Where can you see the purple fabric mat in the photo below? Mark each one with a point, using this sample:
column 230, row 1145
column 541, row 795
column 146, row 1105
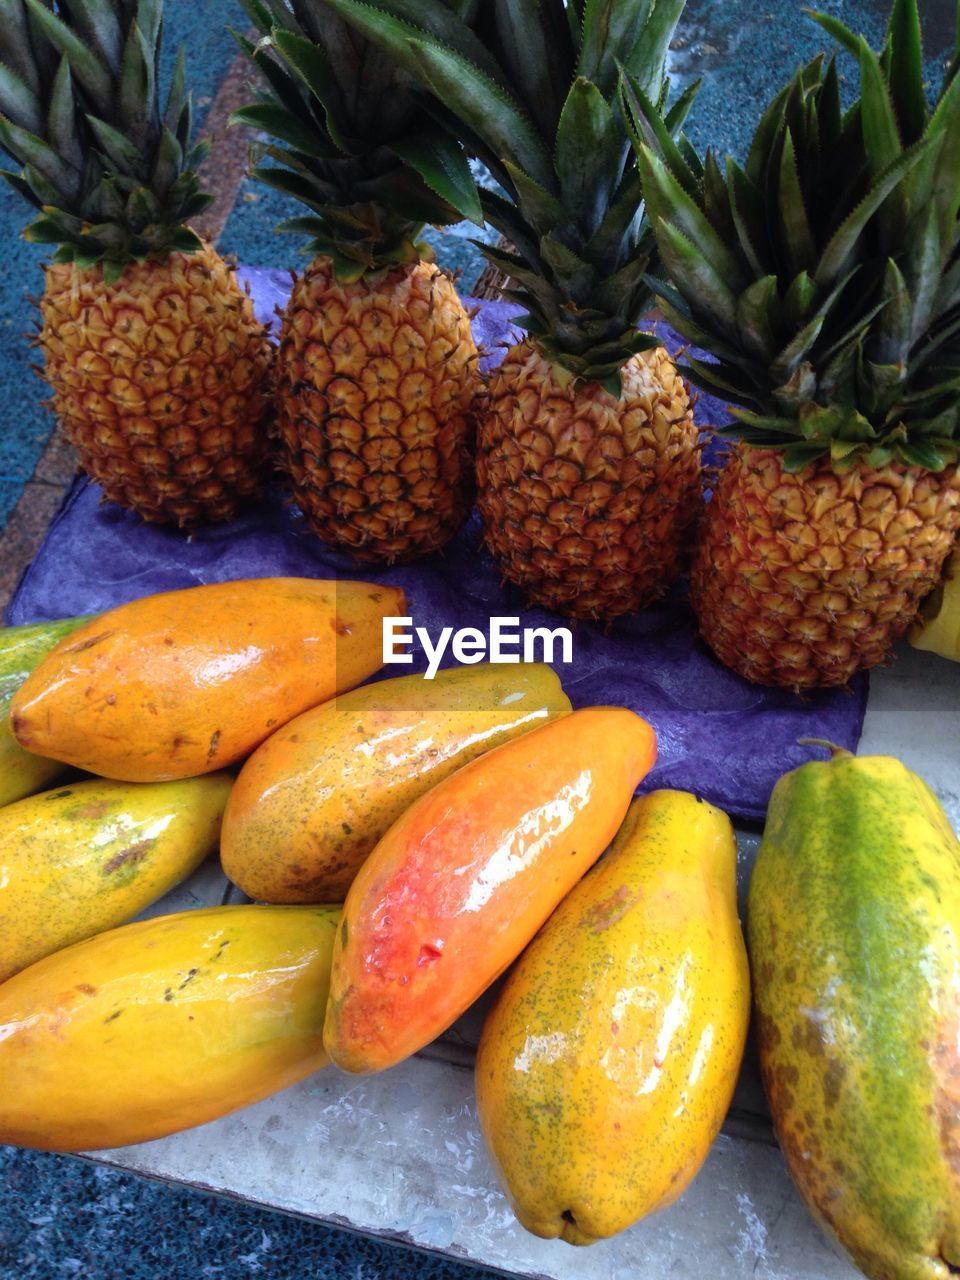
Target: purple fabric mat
column 719, row 736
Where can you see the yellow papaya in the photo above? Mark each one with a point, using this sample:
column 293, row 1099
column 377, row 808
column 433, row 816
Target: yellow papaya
column 937, row 627
column 21, row 648
column 88, row 856
column 312, row 801
column 186, row 682
column 608, row 1062
column 161, row 1025
column 854, row 937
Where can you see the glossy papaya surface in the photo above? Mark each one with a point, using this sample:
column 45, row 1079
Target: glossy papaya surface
column 854, row 936
column 161, row 1025
column 312, row 801
column 608, row 1062
column 186, row 682
column 21, row 648
column 463, row 880
column 90, row 855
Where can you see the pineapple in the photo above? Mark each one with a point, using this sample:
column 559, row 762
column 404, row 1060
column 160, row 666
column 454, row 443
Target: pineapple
column 377, row 371
column 587, row 455
column 824, row 277
column 156, row 361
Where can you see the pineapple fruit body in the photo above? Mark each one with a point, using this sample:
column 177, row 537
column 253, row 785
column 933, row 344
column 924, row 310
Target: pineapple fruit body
column 588, row 501
column 801, row 580
column 376, row 388
column 160, row 382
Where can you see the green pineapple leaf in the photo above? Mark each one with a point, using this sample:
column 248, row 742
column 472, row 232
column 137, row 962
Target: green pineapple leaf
column 96, row 24
column 537, row 53
column 798, row 239
column 589, row 155
column 18, row 102
column 61, row 124
column 608, row 35
column 906, row 69
column 87, row 67
column 648, row 127
column 757, row 311
column 920, row 453
column 892, row 336
column 645, row 61
column 467, row 90
column 845, row 240
column 667, row 202
column 444, row 168
column 137, row 89
column 275, row 120
column 696, row 276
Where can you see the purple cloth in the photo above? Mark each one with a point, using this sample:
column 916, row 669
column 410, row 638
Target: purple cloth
column 718, row 736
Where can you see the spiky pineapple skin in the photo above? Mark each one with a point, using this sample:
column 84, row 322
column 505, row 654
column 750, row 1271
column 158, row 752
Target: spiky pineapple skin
column 801, row 580
column 588, row 502
column 377, row 385
column 161, row 382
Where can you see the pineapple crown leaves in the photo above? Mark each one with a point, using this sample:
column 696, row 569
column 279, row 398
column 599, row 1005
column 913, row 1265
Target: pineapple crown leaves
column 348, row 137
column 113, row 176
column 823, row 275
column 531, row 89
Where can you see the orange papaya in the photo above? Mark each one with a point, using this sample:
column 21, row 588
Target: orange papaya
column 186, row 682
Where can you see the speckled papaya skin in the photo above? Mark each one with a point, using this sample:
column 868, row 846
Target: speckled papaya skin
column 21, row 649
column 467, row 875
column 164, row 1024
column 313, row 800
column 187, row 682
column 608, row 1063
column 854, row 937
column 88, row 856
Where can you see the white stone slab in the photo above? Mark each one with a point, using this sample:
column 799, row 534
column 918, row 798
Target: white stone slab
column 400, row 1155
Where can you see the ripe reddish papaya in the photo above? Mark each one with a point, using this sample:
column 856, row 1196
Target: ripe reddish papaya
column 463, row 880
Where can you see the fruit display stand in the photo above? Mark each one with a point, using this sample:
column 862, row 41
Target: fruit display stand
column 400, row 1155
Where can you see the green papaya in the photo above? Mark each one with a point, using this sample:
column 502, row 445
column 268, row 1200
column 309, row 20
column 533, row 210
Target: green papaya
column 854, row 939
column 21, row 649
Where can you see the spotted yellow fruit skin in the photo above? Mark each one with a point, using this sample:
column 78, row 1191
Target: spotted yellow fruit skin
column 607, row 1065
column 187, row 682
column 311, row 803
column 21, row 648
column 937, row 626
column 164, row 1024
column 90, row 855
column 854, row 934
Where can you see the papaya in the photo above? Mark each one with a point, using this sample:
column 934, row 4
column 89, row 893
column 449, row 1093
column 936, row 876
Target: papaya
column 162, row 1025
column 854, row 939
column 21, row 648
column 186, row 682
column 467, row 875
column 88, row 856
column 937, row 626
column 312, row 801
column 608, row 1062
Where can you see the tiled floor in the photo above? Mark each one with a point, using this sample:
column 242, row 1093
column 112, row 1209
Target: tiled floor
column 62, row 1218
